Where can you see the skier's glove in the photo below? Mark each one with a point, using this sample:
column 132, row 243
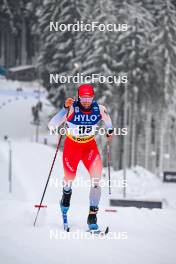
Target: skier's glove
column 68, row 102
column 109, row 133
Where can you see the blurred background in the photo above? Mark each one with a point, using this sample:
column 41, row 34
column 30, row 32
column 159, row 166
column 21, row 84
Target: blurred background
column 146, row 52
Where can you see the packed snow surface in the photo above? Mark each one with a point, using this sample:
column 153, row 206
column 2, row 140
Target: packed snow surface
column 136, row 235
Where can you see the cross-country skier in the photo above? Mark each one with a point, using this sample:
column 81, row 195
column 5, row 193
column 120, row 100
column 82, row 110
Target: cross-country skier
column 81, row 117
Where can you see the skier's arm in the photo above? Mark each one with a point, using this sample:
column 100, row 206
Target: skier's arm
column 58, row 119
column 106, row 118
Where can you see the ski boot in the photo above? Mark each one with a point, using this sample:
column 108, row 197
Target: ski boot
column 92, row 219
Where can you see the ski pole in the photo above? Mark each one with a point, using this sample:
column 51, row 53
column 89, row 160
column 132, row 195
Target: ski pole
column 57, row 149
column 108, row 161
column 48, row 179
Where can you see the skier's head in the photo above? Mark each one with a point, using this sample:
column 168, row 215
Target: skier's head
column 86, row 95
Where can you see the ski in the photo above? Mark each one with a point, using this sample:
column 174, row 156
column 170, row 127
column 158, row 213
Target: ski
column 99, row 232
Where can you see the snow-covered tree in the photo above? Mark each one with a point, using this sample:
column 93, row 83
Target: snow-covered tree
column 164, row 56
column 58, row 49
